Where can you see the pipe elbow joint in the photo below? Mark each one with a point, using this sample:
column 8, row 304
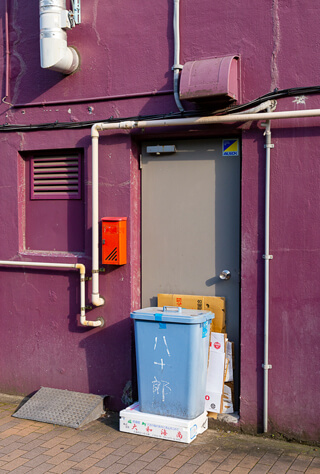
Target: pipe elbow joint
column 61, row 58
column 97, row 300
column 81, row 268
column 95, row 130
column 54, row 51
column 98, row 323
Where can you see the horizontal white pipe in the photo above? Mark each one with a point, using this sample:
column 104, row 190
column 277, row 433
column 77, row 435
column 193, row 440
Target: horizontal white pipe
column 72, row 266
column 97, row 300
column 16, row 263
column 246, row 117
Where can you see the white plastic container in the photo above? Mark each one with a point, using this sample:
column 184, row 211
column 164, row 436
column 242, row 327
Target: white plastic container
column 133, row 421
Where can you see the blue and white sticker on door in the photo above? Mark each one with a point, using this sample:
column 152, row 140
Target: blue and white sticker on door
column 230, row 147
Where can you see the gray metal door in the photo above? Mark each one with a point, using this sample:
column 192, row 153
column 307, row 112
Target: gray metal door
column 191, row 222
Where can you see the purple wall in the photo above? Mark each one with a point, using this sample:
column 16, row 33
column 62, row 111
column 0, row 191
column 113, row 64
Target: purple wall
column 126, row 57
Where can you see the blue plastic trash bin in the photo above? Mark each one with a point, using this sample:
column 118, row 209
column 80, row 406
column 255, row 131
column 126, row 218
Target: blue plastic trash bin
column 172, row 354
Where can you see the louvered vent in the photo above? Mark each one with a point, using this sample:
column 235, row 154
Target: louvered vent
column 56, row 177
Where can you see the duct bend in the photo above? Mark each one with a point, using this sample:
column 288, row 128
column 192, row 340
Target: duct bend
column 54, row 51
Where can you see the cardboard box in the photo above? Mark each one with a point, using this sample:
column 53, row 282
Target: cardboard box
column 155, row 426
column 230, row 357
column 184, row 301
column 215, row 304
column 218, row 342
column 228, row 395
column 217, row 371
column 213, row 402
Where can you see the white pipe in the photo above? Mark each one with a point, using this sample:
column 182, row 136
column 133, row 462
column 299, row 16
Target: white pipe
column 130, row 124
column 176, row 66
column 209, row 120
column 95, row 298
column 266, row 367
column 76, row 266
column 83, row 320
column 54, row 51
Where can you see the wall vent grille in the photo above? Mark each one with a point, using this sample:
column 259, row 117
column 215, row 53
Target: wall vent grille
column 56, row 177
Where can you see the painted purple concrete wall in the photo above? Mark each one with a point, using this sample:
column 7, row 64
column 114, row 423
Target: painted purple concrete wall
column 127, row 49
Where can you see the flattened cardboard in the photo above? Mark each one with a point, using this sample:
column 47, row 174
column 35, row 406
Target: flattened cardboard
column 165, row 300
column 218, row 342
column 184, row 301
column 213, row 402
column 216, row 372
column 227, row 401
column 216, row 375
column 229, row 357
column 215, row 304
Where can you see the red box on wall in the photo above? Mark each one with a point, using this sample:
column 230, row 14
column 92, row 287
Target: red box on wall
column 114, row 240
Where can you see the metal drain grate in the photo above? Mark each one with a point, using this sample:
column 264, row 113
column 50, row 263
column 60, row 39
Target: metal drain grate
column 62, row 407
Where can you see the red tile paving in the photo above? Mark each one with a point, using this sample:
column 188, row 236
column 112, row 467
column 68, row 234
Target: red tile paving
column 29, row 446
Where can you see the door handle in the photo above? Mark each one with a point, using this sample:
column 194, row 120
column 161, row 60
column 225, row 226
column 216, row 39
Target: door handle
column 225, row 275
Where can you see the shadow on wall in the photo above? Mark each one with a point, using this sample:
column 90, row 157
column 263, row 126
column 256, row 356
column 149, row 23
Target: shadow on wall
column 101, row 71
column 111, row 364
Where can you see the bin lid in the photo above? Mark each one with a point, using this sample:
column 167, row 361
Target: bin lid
column 172, row 314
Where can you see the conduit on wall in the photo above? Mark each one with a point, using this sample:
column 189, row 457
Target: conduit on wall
column 7, row 51
column 69, row 266
column 241, row 117
column 54, row 51
column 177, row 66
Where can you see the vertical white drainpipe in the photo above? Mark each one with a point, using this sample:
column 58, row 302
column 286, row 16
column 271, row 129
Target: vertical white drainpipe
column 177, row 66
column 83, row 320
column 267, row 257
column 95, row 298
column 54, row 51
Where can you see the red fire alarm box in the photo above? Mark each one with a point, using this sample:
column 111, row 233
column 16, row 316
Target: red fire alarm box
column 114, row 240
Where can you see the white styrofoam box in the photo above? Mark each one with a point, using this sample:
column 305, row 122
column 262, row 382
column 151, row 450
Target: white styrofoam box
column 164, row 427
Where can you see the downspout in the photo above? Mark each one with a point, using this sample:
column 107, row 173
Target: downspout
column 267, row 257
column 176, row 66
column 95, row 297
column 7, row 50
column 54, row 51
column 69, row 266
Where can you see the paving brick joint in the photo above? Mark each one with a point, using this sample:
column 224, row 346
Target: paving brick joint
column 99, row 447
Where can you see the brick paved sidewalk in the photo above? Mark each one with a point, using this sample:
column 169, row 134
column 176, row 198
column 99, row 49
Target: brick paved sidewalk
column 28, row 446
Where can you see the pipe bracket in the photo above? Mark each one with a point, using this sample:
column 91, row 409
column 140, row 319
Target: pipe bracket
column 267, row 257
column 266, row 366
column 269, row 145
